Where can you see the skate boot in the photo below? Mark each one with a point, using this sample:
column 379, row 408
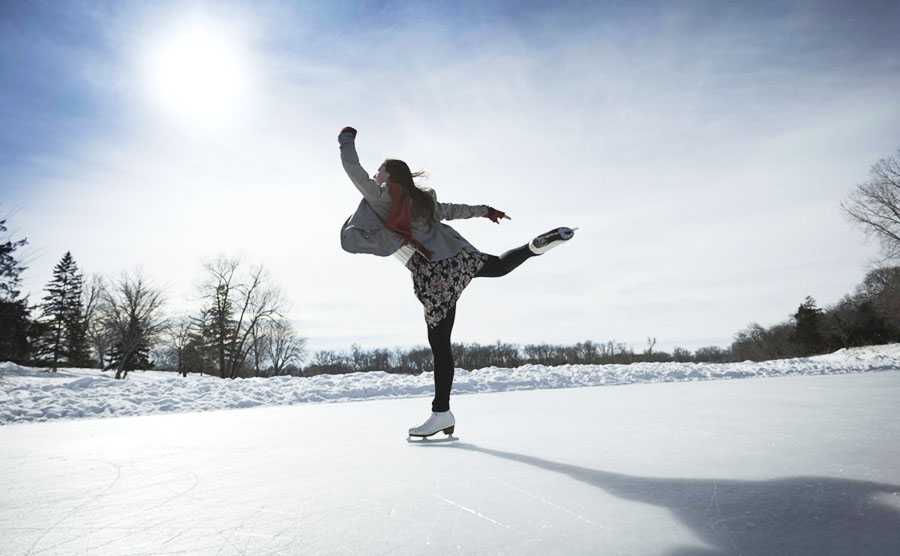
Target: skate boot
column 443, row 421
column 548, row 240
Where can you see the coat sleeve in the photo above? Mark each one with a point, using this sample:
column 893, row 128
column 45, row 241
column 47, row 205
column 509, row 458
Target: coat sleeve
column 357, row 174
column 452, row 211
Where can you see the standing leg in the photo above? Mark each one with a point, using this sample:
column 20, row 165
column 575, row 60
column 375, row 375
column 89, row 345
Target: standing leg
column 439, row 338
column 505, row 263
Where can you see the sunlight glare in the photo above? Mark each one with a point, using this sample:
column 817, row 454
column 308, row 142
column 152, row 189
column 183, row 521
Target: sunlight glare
column 199, row 74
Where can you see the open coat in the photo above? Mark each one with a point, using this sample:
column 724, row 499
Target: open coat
column 365, row 232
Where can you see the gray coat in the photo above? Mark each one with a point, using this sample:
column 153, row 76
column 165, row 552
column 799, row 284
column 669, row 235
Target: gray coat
column 364, row 231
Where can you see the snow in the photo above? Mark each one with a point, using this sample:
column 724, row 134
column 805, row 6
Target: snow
column 799, row 465
column 28, row 394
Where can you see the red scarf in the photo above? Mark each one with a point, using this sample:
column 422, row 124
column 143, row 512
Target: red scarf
column 400, row 217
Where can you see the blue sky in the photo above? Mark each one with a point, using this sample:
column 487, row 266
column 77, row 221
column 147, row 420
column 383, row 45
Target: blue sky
column 703, row 148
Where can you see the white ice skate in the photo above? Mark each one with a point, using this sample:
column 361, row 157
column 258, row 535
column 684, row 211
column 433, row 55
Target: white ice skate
column 548, row 240
column 443, row 421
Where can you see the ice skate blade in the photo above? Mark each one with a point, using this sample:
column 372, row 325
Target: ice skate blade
column 427, row 437
column 428, row 440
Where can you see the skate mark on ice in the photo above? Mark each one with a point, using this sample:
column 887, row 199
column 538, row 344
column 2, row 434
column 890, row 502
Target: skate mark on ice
column 196, row 482
column 548, row 502
column 221, row 533
column 133, row 532
column 193, row 550
column 714, row 505
column 75, row 510
column 172, row 538
column 281, row 541
column 714, row 499
column 231, row 537
column 714, row 523
column 471, row 511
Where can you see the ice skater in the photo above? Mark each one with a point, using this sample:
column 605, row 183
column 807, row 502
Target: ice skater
column 399, row 218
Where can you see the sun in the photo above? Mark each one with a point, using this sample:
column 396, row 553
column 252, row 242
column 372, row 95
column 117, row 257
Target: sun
column 198, row 73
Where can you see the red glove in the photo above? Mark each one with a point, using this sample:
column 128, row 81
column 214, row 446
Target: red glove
column 495, row 215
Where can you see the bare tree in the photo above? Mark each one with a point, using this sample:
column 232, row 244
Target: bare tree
column 257, row 349
column 238, row 306
column 651, row 343
column 881, row 287
column 258, row 302
column 177, row 337
column 98, row 334
column 875, row 205
column 284, row 346
column 134, row 317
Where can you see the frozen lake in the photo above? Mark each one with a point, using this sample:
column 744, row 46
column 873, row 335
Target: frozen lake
column 789, row 465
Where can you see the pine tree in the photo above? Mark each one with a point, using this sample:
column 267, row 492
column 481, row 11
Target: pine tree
column 216, row 329
column 9, row 267
column 808, row 333
column 14, row 330
column 138, row 359
column 64, row 339
column 197, row 354
column 15, row 322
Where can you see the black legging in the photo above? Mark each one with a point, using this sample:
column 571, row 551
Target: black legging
column 439, row 336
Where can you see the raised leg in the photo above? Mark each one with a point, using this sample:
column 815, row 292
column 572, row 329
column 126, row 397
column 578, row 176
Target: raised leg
column 505, row 263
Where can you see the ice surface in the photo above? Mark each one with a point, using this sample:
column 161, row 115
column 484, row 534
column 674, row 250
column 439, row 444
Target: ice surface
column 33, row 395
column 799, row 465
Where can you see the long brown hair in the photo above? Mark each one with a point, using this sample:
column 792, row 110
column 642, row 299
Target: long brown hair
column 422, row 203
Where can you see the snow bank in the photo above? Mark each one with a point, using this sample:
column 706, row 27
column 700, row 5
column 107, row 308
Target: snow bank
column 28, row 394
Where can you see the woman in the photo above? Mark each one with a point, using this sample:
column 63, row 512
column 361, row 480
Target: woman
column 441, row 261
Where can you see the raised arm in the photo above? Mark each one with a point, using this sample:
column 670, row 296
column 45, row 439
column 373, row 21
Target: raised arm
column 357, row 174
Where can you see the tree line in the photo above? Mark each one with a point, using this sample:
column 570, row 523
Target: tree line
column 869, row 316
column 472, row 356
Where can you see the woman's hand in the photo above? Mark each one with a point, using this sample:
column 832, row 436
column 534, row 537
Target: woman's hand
column 496, row 215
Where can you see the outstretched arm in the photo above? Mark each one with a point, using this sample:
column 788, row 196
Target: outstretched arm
column 451, row 211
column 357, row 174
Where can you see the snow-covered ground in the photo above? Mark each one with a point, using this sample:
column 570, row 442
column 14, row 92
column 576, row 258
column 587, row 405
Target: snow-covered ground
column 35, row 395
column 797, row 465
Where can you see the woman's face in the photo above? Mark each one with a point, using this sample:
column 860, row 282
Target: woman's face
column 382, row 176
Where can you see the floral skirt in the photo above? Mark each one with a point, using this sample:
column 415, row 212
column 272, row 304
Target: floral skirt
column 438, row 284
